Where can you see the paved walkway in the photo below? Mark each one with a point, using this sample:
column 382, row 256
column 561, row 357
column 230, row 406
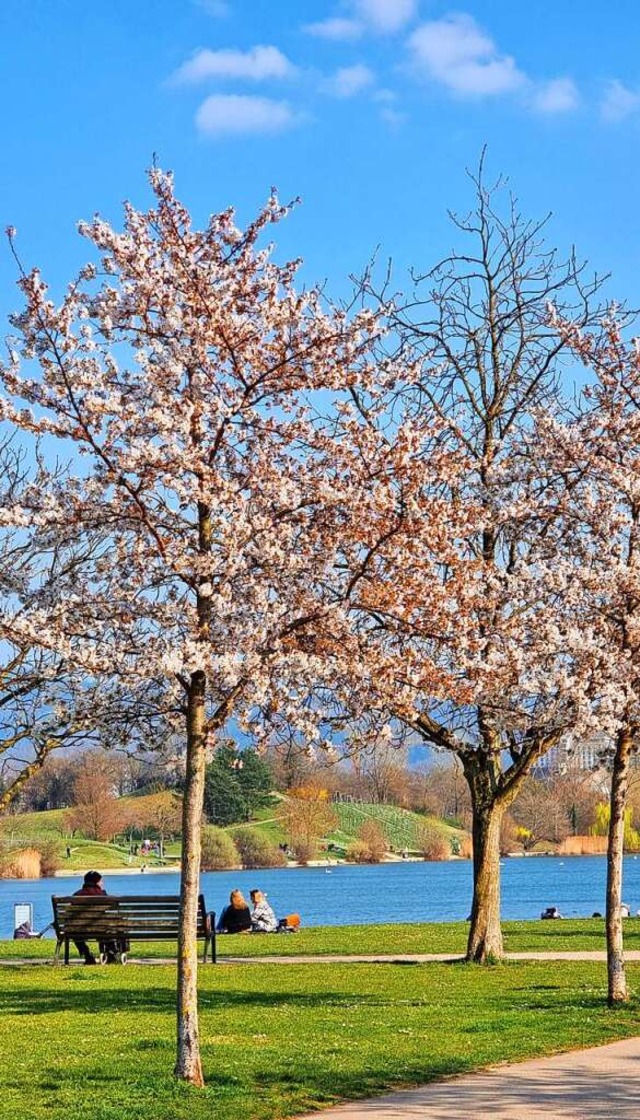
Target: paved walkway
column 362, row 958
column 423, row 958
column 595, row 1084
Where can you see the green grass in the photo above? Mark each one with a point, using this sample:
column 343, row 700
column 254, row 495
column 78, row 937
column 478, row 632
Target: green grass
column 433, row 937
column 48, row 825
column 276, row 1041
column 91, row 853
column 266, row 821
column 86, row 854
column 400, row 825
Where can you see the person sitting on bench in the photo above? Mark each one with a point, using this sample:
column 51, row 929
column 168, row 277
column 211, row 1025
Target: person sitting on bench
column 92, row 885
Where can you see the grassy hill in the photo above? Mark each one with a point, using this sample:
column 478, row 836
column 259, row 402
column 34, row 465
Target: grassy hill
column 400, row 826
column 49, row 827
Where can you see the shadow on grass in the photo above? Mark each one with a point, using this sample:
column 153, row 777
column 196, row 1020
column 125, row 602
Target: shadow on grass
column 309, row 1081
column 332, row 1085
column 91, row 1000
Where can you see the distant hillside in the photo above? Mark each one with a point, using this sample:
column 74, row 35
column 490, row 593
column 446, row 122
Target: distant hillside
column 48, row 826
column 400, row 826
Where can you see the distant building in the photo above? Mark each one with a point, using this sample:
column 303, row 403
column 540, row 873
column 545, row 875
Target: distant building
column 571, row 755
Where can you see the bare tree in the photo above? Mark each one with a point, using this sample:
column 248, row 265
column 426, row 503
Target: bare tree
column 539, row 810
column 96, row 812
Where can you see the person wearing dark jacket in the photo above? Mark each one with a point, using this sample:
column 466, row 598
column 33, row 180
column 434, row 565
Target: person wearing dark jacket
column 92, row 885
column 236, row 917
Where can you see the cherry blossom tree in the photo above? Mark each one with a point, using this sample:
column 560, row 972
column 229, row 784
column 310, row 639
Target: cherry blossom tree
column 597, row 460
column 41, row 708
column 464, row 614
column 178, row 370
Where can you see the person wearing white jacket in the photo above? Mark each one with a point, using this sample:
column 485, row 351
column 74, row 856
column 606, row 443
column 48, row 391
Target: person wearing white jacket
column 263, row 919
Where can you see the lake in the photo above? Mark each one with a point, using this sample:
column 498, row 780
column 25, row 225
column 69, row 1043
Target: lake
column 363, row 895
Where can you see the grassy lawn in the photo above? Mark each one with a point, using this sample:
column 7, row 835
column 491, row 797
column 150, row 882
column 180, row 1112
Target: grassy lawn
column 433, row 937
column 99, row 1043
column 266, row 821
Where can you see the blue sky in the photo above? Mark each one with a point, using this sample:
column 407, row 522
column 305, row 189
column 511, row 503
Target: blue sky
column 368, row 109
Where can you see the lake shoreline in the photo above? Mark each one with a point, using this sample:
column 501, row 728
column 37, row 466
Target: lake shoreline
column 391, row 860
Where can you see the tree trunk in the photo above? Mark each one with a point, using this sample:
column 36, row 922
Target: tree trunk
column 492, row 791
column 188, row 1064
column 485, row 933
column 617, row 980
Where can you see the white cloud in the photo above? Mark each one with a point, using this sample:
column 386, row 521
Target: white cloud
column 560, row 95
column 382, row 16
column 385, row 95
column 393, row 117
column 349, row 80
column 619, row 102
column 255, row 65
column 216, row 8
column 386, row 15
column 232, row 114
column 461, row 56
column 338, row 29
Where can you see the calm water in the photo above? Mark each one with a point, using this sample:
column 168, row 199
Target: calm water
column 398, row 892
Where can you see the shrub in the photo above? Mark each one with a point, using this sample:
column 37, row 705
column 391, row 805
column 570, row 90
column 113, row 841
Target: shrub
column 509, row 838
column 304, row 850
column 256, row 850
column 306, row 816
column 583, row 846
column 358, row 852
column 218, row 851
column 431, row 843
column 373, row 836
column 50, row 861
column 371, row 845
column 23, row 863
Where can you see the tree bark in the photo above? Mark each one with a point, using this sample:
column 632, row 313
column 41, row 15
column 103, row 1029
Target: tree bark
column 485, row 932
column 617, row 981
column 188, row 1065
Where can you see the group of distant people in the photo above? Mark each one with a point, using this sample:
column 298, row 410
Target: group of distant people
column 239, row 917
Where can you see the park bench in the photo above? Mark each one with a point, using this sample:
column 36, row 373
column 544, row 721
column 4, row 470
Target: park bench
column 125, row 918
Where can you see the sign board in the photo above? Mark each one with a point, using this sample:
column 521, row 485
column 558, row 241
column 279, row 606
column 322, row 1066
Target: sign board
column 22, row 912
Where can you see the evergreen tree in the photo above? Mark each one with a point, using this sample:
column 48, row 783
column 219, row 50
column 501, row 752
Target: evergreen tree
column 236, row 785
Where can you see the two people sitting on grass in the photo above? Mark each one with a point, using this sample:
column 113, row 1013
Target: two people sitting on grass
column 238, row 918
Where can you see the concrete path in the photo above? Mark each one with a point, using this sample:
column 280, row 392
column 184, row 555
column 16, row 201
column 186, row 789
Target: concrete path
column 423, row 958
column 362, row 958
column 596, row 1084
